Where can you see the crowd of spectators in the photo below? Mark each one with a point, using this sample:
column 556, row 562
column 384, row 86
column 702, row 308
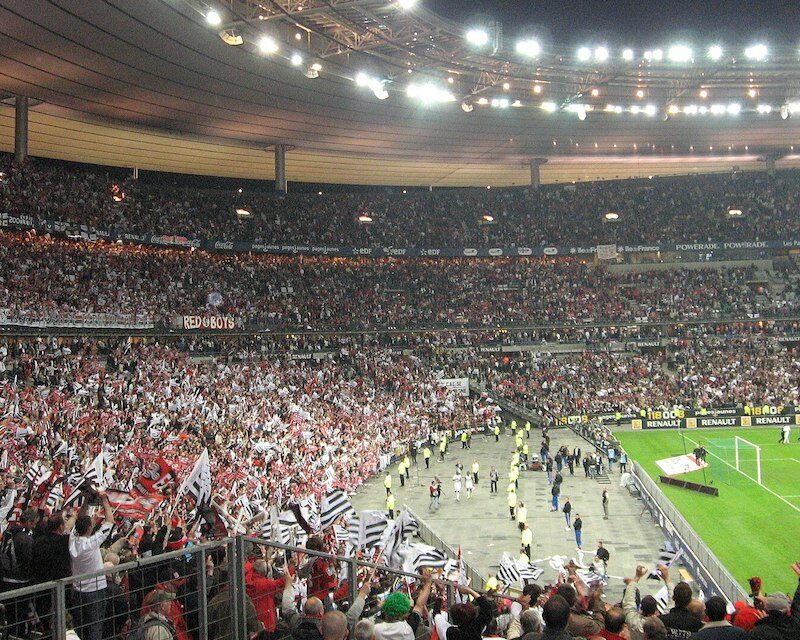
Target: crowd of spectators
column 683, row 209
column 702, row 372
column 43, row 277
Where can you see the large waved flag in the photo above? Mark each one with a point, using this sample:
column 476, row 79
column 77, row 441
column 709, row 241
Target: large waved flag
column 198, row 483
column 334, row 505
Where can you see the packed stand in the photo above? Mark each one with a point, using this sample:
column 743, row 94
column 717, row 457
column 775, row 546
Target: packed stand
column 43, row 278
column 672, row 210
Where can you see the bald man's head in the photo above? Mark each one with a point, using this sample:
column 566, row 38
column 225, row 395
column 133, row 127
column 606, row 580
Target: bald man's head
column 314, row 608
column 334, row 626
column 697, row 608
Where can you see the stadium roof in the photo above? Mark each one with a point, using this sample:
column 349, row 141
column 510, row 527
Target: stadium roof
column 151, row 84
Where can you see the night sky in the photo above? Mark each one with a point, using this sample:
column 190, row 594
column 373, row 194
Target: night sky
column 639, row 23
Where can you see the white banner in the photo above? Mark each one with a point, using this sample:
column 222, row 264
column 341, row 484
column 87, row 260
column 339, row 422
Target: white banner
column 606, row 252
column 460, row 385
column 680, row 464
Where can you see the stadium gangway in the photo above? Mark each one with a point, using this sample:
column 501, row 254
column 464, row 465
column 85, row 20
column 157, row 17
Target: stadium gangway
column 50, row 602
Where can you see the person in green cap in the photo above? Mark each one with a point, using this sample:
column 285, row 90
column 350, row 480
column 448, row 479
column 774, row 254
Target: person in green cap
column 399, row 621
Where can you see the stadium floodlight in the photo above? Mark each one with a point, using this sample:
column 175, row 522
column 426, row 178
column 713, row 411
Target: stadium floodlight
column 734, row 109
column 757, row 52
column 488, row 218
column 584, row 54
column 537, row 88
column 313, row 70
column 483, row 101
column 658, row 55
column 764, row 108
column 365, row 219
column 267, row 45
column 635, row 109
column 477, row 37
column 715, row 52
column 467, row 107
column 213, row 18
column 679, row 53
column 673, row 109
column 735, row 213
column 611, row 216
column 500, row 103
column 407, row 4
column 601, row 54
column 296, row 59
column 550, row 107
column 528, row 48
column 429, row 93
column 243, row 213
column 690, row 109
column 651, row 110
column 717, row 109
column 627, row 55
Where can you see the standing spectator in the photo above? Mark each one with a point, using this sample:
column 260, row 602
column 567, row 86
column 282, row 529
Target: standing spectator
column 717, row 627
column 262, row 590
column 648, row 607
column 493, row 478
column 156, row 624
column 50, row 558
column 84, row 551
column 680, row 622
column 567, row 509
column 219, row 612
column 577, row 525
column 783, row 617
column 605, row 504
column 17, row 572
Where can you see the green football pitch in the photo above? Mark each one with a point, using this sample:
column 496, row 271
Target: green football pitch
column 753, row 529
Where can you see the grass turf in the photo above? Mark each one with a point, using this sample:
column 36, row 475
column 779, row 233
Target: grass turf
column 748, row 527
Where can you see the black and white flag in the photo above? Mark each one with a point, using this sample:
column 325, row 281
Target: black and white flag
column 508, row 573
column 334, row 505
column 198, row 483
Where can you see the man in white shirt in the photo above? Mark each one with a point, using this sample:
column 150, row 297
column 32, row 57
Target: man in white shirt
column 84, row 552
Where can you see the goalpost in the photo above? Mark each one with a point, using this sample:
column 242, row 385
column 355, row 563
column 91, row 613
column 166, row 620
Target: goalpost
column 748, row 458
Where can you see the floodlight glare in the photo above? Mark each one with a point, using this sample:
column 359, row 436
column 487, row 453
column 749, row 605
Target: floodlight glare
column 757, row 52
column 717, row 109
column 764, row 108
column 635, row 109
column 407, row 4
column 363, row 80
column 627, row 55
column 584, row 54
column 650, row 110
column 734, row 109
column 213, row 18
column 601, row 54
column 429, row 93
column 690, row 109
column 529, row 48
column 550, row 107
column 715, row 52
column 679, row 53
column 267, row 45
column 466, row 107
column 735, row 213
column 296, row 59
column 612, row 216
column 477, row 37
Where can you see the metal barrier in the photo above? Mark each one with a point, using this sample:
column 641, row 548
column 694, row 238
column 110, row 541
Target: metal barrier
column 215, row 591
column 710, row 573
column 429, row 536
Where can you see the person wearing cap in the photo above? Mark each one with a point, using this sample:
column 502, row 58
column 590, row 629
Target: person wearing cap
column 399, row 620
column 783, row 616
column 717, row 627
column 156, row 624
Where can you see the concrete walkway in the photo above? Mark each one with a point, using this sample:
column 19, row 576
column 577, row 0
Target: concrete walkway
column 482, row 527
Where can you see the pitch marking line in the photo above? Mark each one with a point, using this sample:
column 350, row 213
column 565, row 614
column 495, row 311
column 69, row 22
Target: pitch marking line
column 766, row 488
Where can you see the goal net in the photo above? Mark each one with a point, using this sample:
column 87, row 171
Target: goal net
column 734, row 460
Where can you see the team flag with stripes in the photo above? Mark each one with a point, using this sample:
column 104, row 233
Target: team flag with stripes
column 198, row 483
column 371, row 525
column 334, row 505
column 403, row 526
column 508, row 573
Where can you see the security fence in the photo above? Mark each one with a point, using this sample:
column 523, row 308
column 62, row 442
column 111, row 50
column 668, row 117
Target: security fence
column 233, row 588
column 711, row 575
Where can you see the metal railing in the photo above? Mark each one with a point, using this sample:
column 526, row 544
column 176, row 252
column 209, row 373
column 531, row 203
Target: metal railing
column 212, row 591
column 710, row 573
column 429, row 536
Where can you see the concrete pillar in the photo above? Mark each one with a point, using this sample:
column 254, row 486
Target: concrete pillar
column 536, row 178
column 20, row 128
column 771, row 164
column 280, row 168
